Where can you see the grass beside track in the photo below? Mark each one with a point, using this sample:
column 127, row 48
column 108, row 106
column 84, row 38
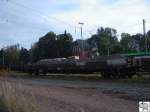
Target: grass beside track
column 143, row 79
column 14, row 99
column 86, row 77
column 132, row 86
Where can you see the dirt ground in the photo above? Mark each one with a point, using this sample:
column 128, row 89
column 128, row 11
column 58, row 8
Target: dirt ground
column 55, row 96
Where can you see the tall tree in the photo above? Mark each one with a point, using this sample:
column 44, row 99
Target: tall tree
column 34, row 53
column 11, row 55
column 46, row 46
column 24, row 56
column 139, row 42
column 125, row 42
column 104, row 40
column 64, row 44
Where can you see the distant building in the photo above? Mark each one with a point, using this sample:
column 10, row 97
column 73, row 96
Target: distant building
column 86, row 53
column 76, row 49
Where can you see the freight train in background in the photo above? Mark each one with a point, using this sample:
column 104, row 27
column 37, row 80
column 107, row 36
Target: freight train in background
column 114, row 66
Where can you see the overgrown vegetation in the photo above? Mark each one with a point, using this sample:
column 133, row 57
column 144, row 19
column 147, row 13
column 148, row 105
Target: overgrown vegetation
column 136, row 80
column 5, row 72
column 14, row 99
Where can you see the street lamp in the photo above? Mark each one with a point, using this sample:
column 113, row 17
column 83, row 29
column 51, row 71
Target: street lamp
column 82, row 46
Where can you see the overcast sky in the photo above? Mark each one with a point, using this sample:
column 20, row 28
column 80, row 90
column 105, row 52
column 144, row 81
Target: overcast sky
column 24, row 21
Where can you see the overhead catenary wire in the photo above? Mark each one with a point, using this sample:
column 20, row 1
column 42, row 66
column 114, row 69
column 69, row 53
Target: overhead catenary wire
column 47, row 18
column 15, row 22
column 40, row 14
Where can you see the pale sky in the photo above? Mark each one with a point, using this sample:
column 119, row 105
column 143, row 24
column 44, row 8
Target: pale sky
column 24, row 21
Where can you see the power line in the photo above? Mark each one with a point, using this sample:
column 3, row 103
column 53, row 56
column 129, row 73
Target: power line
column 47, row 18
column 40, row 13
column 21, row 23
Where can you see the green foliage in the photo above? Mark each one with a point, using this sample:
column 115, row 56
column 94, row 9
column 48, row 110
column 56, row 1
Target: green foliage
column 134, row 43
column 52, row 46
column 56, row 46
column 104, row 39
column 11, row 55
column 24, row 56
column 47, row 46
column 125, row 41
column 64, row 45
column 117, row 48
column 34, row 53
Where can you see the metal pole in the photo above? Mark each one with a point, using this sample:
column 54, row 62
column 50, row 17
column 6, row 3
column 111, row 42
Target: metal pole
column 108, row 51
column 3, row 59
column 144, row 32
column 82, row 46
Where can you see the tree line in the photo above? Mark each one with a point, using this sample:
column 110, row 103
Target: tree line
column 104, row 42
